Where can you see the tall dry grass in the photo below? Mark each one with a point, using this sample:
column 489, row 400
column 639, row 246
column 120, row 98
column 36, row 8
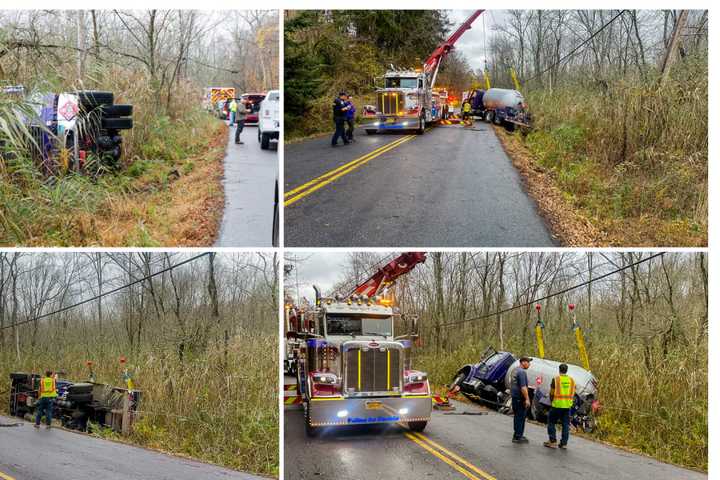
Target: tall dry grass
column 630, row 155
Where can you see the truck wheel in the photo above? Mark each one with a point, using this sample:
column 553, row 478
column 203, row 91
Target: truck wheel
column 489, row 116
column 457, row 381
column 123, row 123
column 421, row 129
column 417, row 426
column 509, row 126
column 259, row 137
column 92, row 99
column 265, row 142
column 537, row 411
column 117, row 110
column 370, row 131
column 310, row 431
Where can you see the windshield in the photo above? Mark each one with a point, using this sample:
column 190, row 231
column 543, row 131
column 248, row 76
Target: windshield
column 274, row 96
column 397, row 82
column 488, row 363
column 353, row 325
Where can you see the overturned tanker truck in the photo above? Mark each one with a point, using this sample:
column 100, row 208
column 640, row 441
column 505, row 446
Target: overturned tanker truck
column 488, row 382
column 78, row 404
column 500, row 106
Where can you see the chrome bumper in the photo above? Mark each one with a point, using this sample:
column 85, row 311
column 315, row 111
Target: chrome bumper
column 391, row 123
column 359, row 411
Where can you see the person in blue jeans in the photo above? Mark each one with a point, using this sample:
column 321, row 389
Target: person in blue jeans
column 350, row 117
column 47, row 393
column 340, row 109
column 562, row 398
column 520, row 399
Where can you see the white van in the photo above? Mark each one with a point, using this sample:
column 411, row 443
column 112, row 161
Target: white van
column 269, row 119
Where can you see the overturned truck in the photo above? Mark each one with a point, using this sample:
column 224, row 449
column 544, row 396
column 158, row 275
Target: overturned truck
column 78, row 404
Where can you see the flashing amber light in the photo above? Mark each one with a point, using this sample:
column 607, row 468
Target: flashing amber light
column 537, row 307
column 571, row 307
column 385, row 301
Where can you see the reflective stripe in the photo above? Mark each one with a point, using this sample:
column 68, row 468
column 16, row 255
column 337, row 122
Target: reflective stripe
column 564, row 392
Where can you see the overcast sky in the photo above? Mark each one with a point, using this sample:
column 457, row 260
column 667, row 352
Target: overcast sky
column 471, row 43
column 323, row 269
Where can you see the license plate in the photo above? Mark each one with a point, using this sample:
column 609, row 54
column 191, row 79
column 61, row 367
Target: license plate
column 389, row 120
column 373, row 405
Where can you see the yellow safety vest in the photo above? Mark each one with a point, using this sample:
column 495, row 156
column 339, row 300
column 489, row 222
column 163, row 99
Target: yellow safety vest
column 564, row 392
column 466, row 107
column 48, row 388
column 233, row 106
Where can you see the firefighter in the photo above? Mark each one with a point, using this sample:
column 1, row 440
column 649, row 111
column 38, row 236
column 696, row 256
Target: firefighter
column 48, row 392
column 520, row 399
column 562, row 395
column 340, row 109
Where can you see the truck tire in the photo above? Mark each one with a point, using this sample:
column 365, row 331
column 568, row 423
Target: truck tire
column 80, row 388
column 122, row 123
column 457, row 381
column 310, row 431
column 509, row 126
column 80, row 397
column 370, row 131
column 265, row 142
column 421, row 128
column 92, row 99
column 114, row 111
column 489, row 116
column 417, row 426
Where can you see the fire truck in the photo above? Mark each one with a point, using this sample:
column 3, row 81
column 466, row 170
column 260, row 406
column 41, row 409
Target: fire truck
column 352, row 366
column 405, row 101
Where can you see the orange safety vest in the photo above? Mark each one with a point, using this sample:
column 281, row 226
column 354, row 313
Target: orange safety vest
column 564, row 392
column 48, row 388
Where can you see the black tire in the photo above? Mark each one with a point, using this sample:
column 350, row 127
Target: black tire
column 118, row 110
column 19, row 376
column 489, row 116
column 80, row 388
column 276, row 234
column 370, row 131
column 123, row 123
column 265, row 141
column 80, row 397
column 537, row 412
column 310, row 431
column 457, row 380
column 92, row 99
column 421, row 128
column 417, row 426
column 259, row 137
column 509, row 126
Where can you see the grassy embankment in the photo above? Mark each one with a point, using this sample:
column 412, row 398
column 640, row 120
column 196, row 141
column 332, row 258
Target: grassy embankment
column 167, row 192
column 662, row 413
column 202, row 408
column 630, row 158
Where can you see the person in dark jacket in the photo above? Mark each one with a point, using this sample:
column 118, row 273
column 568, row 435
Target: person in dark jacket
column 340, row 109
column 520, row 399
column 350, row 118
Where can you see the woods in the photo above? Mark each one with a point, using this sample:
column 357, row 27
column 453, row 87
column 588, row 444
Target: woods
column 158, row 61
column 646, row 329
column 200, row 341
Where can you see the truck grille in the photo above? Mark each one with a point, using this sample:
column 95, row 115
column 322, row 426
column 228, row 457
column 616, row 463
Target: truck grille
column 391, row 103
column 373, row 369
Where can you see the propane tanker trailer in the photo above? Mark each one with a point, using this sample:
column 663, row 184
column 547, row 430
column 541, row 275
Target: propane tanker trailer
column 352, row 366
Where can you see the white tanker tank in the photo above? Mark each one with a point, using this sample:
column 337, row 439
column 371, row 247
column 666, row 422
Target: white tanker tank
column 505, row 107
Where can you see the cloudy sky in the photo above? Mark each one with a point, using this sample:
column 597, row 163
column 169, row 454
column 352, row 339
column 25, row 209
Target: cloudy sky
column 323, row 269
column 471, row 43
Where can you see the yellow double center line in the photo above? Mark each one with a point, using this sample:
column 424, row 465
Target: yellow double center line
column 5, row 477
column 454, row 460
column 317, row 183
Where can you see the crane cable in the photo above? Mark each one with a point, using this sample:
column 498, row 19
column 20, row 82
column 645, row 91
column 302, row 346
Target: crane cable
column 539, row 327
column 551, row 295
column 572, row 52
column 104, row 294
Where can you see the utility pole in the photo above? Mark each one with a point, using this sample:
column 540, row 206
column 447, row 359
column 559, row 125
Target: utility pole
column 670, row 53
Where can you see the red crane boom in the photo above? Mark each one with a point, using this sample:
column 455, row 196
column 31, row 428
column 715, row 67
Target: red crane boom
column 433, row 61
column 387, row 275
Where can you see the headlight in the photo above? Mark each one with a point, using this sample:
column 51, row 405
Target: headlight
column 342, row 413
column 376, row 124
column 416, row 377
column 403, row 411
column 325, row 378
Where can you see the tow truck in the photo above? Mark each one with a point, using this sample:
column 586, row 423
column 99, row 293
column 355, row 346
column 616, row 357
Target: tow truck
column 406, row 100
column 352, row 367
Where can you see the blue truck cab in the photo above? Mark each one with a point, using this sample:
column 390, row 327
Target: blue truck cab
column 485, row 379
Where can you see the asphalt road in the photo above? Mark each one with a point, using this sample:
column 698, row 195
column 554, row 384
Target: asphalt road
column 249, row 185
column 451, row 187
column 475, row 447
column 30, row 454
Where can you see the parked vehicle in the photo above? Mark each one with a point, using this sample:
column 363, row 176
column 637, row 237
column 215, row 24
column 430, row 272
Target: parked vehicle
column 269, row 119
column 252, row 102
column 488, row 381
column 78, row 403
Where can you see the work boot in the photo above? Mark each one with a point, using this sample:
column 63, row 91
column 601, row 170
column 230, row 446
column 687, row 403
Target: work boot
column 521, row 440
column 550, row 444
column 36, row 425
column 48, row 427
column 563, row 446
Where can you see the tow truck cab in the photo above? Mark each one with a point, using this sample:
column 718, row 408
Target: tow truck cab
column 404, row 103
column 355, row 371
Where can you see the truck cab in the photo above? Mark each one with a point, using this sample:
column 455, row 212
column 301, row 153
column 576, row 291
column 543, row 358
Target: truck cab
column 405, row 102
column 354, row 370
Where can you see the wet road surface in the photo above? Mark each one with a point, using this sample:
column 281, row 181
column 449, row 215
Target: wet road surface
column 30, row 454
column 451, row 187
column 249, row 185
column 456, row 446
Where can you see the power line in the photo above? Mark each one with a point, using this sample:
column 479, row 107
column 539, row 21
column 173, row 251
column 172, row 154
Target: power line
column 551, row 295
column 104, row 294
column 572, row 52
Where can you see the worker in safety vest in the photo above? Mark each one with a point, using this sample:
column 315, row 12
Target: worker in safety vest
column 562, row 397
column 47, row 393
column 233, row 110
